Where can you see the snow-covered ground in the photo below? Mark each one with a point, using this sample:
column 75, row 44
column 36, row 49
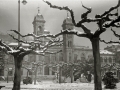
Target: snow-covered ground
column 48, row 85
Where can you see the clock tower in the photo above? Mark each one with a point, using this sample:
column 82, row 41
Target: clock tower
column 68, row 40
column 38, row 24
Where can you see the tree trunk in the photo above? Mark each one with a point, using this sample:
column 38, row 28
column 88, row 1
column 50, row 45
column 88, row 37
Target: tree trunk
column 72, row 67
column 97, row 63
column 27, row 73
column 35, row 75
column 60, row 74
column 7, row 74
column 17, row 74
column 32, row 77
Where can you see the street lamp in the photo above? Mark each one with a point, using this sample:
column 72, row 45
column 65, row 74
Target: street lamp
column 24, row 3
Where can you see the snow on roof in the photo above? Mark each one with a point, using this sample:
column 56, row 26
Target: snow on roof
column 46, row 30
column 105, row 52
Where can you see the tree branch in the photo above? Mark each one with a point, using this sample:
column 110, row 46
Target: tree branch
column 111, row 9
column 49, row 52
column 63, row 8
column 99, row 31
column 110, row 42
column 117, row 35
column 84, row 15
column 5, row 45
column 112, row 23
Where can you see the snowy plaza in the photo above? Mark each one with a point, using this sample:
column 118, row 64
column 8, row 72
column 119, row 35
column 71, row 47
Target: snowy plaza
column 48, row 85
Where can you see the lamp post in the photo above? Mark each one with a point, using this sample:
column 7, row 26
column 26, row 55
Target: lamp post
column 24, row 3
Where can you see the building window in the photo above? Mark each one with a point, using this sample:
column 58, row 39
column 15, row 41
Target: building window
column 53, row 58
column 83, row 56
column 60, row 57
column 68, row 44
column 101, row 59
column 39, row 30
column 10, row 72
column 110, row 60
column 105, row 59
column 114, row 59
column 70, row 57
column 75, row 58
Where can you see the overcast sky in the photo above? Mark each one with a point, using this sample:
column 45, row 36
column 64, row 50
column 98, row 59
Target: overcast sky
column 53, row 17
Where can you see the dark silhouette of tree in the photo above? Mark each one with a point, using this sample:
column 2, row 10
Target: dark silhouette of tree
column 103, row 21
column 19, row 52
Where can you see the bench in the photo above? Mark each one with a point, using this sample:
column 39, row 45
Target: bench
column 1, row 87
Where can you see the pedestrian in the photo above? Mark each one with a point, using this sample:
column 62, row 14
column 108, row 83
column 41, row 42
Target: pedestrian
column 89, row 77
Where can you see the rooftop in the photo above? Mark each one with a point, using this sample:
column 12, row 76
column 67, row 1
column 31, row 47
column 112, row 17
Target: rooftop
column 105, row 52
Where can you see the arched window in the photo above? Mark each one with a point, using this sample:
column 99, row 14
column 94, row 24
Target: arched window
column 105, row 59
column 39, row 29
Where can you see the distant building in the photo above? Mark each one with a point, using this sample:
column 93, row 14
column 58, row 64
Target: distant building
column 71, row 52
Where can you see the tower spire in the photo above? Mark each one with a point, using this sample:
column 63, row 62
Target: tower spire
column 38, row 10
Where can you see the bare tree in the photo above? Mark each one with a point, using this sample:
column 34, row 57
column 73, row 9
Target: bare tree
column 37, row 64
column 29, row 69
column 19, row 53
column 103, row 21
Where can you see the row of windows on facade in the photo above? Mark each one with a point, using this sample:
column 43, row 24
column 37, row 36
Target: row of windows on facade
column 109, row 59
column 60, row 58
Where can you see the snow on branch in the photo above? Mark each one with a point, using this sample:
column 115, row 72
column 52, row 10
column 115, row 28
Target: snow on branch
column 111, row 9
column 29, row 34
column 3, row 49
column 38, row 43
column 53, row 44
column 112, row 23
column 49, row 52
column 75, row 32
column 83, row 16
column 18, row 39
column 5, row 45
column 110, row 42
column 38, row 63
column 15, row 31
